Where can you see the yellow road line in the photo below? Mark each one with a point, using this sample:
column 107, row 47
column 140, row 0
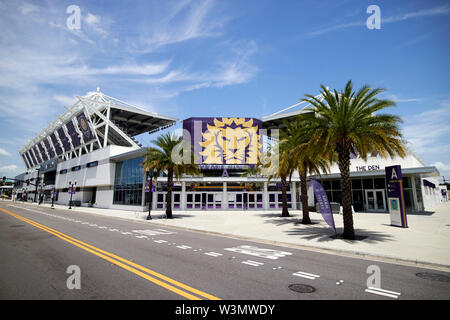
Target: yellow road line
column 128, row 265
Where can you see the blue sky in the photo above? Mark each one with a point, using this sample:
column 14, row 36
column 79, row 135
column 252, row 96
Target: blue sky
column 222, row 58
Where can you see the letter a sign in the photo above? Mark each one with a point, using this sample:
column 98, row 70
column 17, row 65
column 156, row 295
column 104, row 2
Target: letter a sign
column 396, row 199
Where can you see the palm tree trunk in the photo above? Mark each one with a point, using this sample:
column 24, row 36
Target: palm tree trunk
column 344, row 168
column 169, row 194
column 285, row 212
column 304, row 198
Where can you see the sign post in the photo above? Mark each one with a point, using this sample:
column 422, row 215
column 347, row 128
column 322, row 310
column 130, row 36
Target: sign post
column 396, row 198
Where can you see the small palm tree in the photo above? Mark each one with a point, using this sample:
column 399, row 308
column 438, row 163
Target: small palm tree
column 284, row 167
column 346, row 123
column 160, row 158
column 307, row 159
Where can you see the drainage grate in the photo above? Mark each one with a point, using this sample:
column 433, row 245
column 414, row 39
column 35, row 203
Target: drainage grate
column 301, row 288
column 433, row 276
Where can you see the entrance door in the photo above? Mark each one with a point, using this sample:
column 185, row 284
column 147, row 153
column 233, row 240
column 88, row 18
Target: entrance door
column 375, row 200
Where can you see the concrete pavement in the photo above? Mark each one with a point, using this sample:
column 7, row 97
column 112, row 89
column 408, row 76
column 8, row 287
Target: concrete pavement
column 425, row 243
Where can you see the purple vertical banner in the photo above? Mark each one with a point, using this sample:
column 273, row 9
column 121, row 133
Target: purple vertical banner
column 396, row 198
column 84, row 127
column 147, row 186
column 324, row 204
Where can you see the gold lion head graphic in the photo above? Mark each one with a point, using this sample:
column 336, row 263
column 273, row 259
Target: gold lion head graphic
column 231, row 141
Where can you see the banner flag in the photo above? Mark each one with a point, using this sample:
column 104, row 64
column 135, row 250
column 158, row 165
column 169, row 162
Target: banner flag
column 84, row 127
column 324, row 204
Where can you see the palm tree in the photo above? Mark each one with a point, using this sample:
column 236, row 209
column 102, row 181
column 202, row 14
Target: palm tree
column 284, row 167
column 160, row 158
column 308, row 159
column 346, row 123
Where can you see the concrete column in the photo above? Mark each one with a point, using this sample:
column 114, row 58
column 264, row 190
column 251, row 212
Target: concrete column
column 183, row 195
column 154, row 194
column 413, row 185
column 265, row 196
column 294, row 195
column 224, row 197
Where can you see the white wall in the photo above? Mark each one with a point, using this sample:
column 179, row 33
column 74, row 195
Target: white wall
column 101, row 175
column 431, row 196
column 379, row 163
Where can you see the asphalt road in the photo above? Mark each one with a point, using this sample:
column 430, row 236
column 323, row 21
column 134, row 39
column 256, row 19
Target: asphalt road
column 121, row 259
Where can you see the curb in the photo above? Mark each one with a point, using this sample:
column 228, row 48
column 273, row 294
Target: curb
column 347, row 253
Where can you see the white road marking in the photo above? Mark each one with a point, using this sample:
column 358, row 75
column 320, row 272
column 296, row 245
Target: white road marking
column 113, row 230
column 155, row 232
column 92, row 225
column 260, row 252
column 103, row 227
column 253, row 263
column 383, row 292
column 184, row 247
column 306, row 275
column 159, row 241
column 142, row 237
column 126, row 232
column 213, row 254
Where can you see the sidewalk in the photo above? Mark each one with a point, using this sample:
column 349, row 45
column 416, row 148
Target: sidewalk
column 425, row 243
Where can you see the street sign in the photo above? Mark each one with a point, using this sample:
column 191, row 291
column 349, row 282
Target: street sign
column 396, row 198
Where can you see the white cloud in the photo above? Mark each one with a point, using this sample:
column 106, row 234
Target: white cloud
column 27, row 8
column 444, row 169
column 3, row 152
column 443, row 10
column 397, row 99
column 428, row 131
column 185, row 20
column 93, row 21
column 64, row 100
column 9, row 168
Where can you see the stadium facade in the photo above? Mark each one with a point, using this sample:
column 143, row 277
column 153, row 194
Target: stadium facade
column 92, row 150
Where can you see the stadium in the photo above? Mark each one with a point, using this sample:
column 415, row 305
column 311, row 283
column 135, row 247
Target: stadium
column 90, row 155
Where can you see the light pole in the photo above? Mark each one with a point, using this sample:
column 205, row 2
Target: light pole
column 41, row 194
column 71, row 193
column 53, row 198
column 150, row 202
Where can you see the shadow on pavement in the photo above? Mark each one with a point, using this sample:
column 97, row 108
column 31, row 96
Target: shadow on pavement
column 323, row 234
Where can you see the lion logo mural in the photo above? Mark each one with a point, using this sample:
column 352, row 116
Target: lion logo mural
column 231, row 141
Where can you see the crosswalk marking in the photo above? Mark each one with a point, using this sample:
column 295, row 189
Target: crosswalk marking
column 253, row 263
column 383, row 292
column 306, row 275
column 260, row 252
column 184, row 247
column 213, row 254
column 159, row 241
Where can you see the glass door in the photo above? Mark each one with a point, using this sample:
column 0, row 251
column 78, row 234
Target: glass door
column 375, row 200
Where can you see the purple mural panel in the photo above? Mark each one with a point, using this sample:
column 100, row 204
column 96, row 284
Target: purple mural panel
column 42, row 152
column 25, row 161
column 29, row 158
column 219, row 141
column 64, row 140
column 73, row 134
column 50, row 151
column 36, row 153
column 56, row 144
